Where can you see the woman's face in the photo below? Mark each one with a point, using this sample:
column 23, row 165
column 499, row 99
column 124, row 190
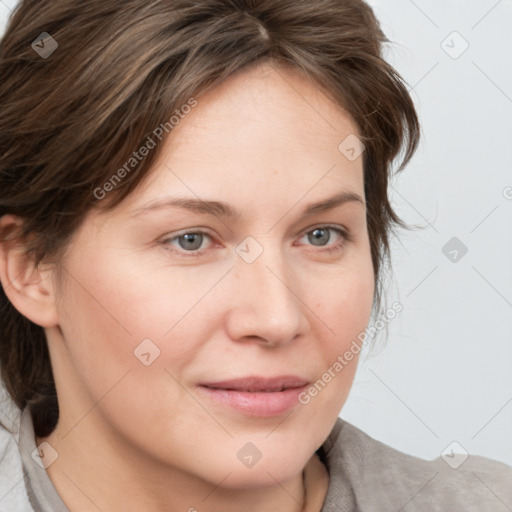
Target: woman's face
column 159, row 300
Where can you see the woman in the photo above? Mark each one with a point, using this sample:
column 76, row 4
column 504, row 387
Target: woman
column 194, row 220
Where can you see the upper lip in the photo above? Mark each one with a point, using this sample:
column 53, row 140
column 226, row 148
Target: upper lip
column 255, row 383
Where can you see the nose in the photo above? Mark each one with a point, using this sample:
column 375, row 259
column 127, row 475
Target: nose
column 265, row 299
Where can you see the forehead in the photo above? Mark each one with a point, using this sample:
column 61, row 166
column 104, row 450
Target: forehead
column 267, row 130
column 263, row 104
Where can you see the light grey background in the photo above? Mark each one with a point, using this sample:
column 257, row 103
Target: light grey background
column 445, row 373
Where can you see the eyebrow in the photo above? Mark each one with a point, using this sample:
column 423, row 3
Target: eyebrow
column 221, row 209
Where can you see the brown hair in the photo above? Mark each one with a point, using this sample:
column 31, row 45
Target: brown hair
column 71, row 119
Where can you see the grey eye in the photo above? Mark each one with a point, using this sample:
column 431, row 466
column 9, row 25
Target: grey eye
column 190, row 241
column 321, row 235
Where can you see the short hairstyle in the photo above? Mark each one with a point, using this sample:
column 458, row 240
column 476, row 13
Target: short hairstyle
column 70, row 120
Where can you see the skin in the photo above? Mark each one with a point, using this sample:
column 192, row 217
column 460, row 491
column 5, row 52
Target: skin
column 136, row 437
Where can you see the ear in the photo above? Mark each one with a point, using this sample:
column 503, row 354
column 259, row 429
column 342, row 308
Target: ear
column 30, row 290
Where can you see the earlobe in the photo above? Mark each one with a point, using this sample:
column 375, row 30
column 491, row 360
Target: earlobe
column 30, row 289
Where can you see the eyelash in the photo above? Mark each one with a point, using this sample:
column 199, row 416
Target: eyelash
column 344, row 234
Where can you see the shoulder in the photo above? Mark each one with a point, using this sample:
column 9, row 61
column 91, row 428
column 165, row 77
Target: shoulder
column 383, row 478
column 13, row 492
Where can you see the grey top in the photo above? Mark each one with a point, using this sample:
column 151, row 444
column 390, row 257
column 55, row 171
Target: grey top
column 365, row 475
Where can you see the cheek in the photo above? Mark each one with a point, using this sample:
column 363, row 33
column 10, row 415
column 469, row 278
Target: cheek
column 344, row 300
column 119, row 361
column 344, row 308
column 113, row 321
column 115, row 296
column 120, row 313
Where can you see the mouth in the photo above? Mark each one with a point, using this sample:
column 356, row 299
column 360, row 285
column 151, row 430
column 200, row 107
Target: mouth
column 256, row 396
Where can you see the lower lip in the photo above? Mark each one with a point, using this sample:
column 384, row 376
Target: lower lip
column 262, row 404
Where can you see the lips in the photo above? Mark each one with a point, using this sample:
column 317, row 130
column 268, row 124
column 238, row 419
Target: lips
column 259, row 384
column 255, row 396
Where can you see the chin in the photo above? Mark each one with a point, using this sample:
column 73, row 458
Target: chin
column 253, row 462
column 262, row 474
